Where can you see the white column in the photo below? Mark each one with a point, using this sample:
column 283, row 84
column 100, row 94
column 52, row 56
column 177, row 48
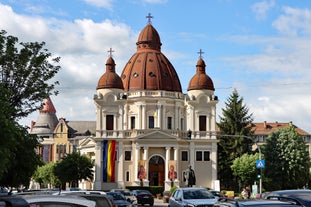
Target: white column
column 208, row 122
column 120, row 165
column 143, row 117
column 139, row 117
column 147, row 168
column 163, row 122
column 176, row 118
column 125, row 118
column 167, row 157
column 214, row 163
column 115, row 123
column 98, row 166
column 192, row 155
column 176, row 157
column 213, row 118
column 137, row 155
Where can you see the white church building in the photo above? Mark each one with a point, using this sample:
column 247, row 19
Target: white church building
column 143, row 120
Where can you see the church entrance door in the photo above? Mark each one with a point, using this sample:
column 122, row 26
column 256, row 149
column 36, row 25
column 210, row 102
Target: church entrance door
column 156, row 171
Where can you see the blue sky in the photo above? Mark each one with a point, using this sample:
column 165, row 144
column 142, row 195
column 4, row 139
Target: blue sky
column 260, row 48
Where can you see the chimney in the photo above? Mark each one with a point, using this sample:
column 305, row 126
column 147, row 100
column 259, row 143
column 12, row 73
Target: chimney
column 265, row 124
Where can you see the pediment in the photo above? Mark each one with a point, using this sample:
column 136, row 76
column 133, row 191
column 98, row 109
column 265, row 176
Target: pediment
column 86, row 142
column 157, row 135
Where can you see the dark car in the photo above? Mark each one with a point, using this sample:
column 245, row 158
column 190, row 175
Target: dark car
column 119, row 199
column 194, row 197
column 303, row 196
column 276, row 202
column 143, row 197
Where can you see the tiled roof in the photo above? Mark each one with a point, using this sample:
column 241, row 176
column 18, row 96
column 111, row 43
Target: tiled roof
column 78, row 128
column 265, row 128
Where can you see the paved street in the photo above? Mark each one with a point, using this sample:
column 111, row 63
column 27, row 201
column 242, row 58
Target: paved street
column 159, row 203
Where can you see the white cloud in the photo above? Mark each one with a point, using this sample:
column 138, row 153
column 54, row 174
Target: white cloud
column 100, row 3
column 82, row 46
column 294, row 22
column 261, row 8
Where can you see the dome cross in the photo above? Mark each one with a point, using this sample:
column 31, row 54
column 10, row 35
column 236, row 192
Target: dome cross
column 149, row 17
column 200, row 52
column 110, row 51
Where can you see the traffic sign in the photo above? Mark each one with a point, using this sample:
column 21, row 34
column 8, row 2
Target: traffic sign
column 260, row 163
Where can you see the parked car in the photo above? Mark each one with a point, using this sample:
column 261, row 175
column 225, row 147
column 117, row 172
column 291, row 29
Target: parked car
column 303, row 196
column 57, row 201
column 128, row 194
column 143, row 197
column 102, row 200
column 280, row 202
column 192, row 197
column 100, row 197
column 119, row 199
column 217, row 193
column 12, row 201
column 98, row 192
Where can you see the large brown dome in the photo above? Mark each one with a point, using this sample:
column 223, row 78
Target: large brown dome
column 110, row 79
column 200, row 80
column 148, row 68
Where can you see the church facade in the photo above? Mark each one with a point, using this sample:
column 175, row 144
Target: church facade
column 145, row 122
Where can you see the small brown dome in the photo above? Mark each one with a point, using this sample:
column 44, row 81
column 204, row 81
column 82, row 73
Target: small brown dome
column 200, row 80
column 110, row 79
column 148, row 68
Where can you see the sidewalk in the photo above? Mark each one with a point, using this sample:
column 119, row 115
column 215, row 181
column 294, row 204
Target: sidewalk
column 159, row 202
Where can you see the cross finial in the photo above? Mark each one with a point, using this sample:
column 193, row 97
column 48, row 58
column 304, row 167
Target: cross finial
column 149, row 17
column 200, row 52
column 110, row 51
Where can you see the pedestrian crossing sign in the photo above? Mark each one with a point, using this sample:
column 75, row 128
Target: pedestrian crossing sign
column 260, row 164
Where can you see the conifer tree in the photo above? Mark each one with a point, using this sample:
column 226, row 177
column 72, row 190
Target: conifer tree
column 237, row 122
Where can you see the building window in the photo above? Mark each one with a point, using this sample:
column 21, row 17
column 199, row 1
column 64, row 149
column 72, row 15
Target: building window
column 128, row 155
column 169, row 122
column 127, row 176
column 184, row 155
column 151, row 122
column 202, row 156
column 206, row 156
column 132, row 122
column 198, row 156
column 202, row 123
column 109, row 122
column 61, row 127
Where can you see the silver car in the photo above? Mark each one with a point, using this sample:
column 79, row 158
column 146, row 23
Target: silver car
column 58, row 201
column 192, row 196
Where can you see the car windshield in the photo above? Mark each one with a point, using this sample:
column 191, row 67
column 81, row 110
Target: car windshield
column 197, row 194
column 117, row 196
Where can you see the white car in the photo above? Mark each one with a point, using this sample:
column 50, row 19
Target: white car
column 192, row 197
column 128, row 195
column 58, row 201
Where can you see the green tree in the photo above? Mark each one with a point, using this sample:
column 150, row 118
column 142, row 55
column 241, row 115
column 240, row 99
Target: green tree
column 74, row 168
column 237, row 122
column 45, row 174
column 244, row 168
column 287, row 160
column 26, row 71
column 23, row 158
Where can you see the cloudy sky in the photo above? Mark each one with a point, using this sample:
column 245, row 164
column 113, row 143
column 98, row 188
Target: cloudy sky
column 260, row 48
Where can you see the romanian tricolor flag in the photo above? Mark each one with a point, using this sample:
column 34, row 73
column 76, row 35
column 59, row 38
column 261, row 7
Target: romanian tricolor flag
column 109, row 154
